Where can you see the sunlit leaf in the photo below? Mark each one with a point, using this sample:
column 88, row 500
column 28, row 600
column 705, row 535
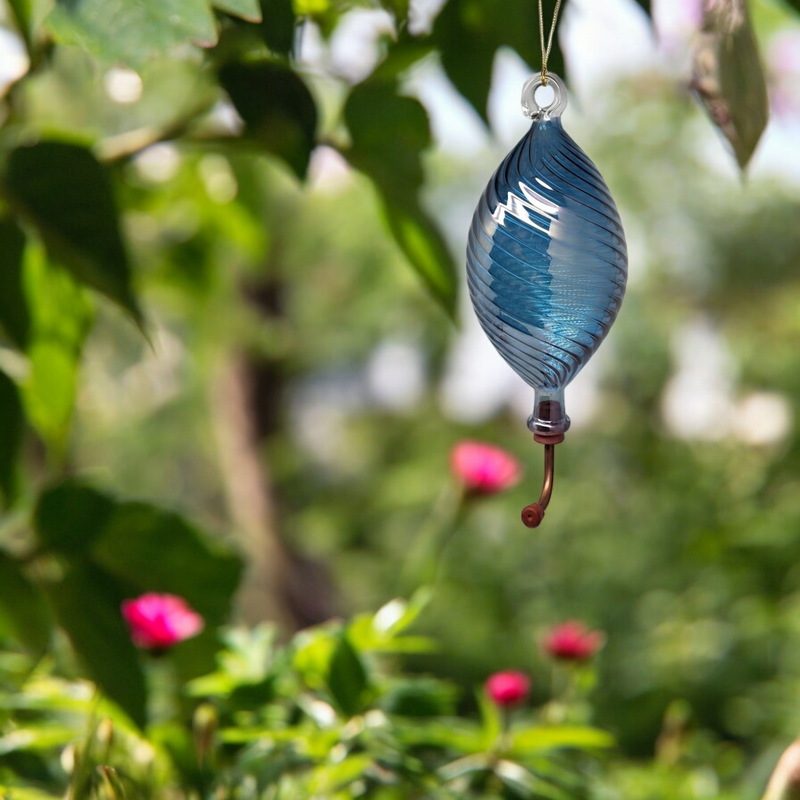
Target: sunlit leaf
column 32, row 738
column 246, row 9
column 243, row 668
column 23, row 607
column 87, row 604
column 469, row 32
column 14, row 314
column 47, row 693
column 22, row 11
column 389, row 133
column 120, row 31
column 311, row 7
column 278, row 110
column 541, row 739
column 64, row 191
column 330, row 779
column 491, row 719
column 396, row 615
column 454, row 734
column 28, row 793
column 521, row 781
column 729, row 78
column 312, row 656
column 50, row 392
column 60, row 319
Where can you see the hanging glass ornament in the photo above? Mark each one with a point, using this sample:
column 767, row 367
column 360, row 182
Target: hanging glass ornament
column 546, row 265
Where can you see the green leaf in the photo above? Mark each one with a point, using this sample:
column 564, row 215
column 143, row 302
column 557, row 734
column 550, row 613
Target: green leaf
column 27, row 793
column 50, row 392
column 420, row 697
column 645, row 4
column 69, row 517
column 243, row 668
column 729, row 78
column 540, row 739
column 398, row 7
column 14, row 314
column 147, row 550
column 23, row 606
column 277, row 108
column 32, row 738
column 402, row 55
column 67, row 195
column 12, row 427
column 278, row 25
column 60, row 317
column 311, row 7
column 22, row 11
column 333, row 779
column 347, row 678
column 120, row 31
column 469, row 32
column 457, row 735
column 312, row 652
column 396, row 615
column 87, row 604
column 382, row 632
column 249, row 10
column 389, row 134
column 424, row 247
column 176, row 740
column 154, row 550
column 491, row 720
column 522, row 782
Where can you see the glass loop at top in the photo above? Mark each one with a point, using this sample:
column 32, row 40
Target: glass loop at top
column 555, row 108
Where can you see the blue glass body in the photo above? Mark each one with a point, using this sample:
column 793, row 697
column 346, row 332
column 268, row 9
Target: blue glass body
column 546, row 259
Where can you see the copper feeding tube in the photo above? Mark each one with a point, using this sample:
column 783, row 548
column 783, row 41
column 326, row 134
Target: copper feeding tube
column 548, row 424
column 533, row 514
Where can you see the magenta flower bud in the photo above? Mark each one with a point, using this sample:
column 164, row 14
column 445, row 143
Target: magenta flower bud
column 483, row 468
column 159, row 621
column 572, row 641
column 506, row 689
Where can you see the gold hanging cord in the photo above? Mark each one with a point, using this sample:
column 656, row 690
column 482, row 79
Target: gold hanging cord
column 546, row 50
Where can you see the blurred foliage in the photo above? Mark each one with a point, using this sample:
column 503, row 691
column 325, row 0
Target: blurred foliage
column 323, row 716
column 176, row 197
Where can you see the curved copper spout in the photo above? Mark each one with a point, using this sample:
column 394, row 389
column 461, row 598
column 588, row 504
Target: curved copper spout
column 533, row 514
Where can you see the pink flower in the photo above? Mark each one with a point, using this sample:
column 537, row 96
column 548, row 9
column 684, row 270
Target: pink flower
column 572, row 641
column 507, row 689
column 484, row 469
column 159, row 621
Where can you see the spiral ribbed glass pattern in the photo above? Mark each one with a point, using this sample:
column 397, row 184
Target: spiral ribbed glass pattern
column 546, row 257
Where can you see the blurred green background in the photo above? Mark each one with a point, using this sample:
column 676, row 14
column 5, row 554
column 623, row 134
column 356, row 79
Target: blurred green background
column 300, row 390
